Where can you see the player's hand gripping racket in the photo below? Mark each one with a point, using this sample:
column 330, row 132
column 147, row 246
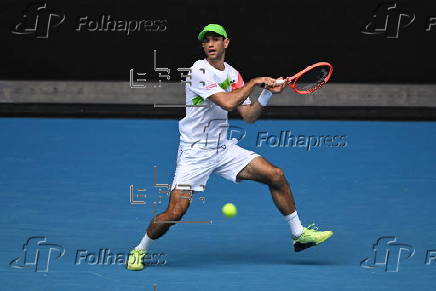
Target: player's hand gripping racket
column 310, row 79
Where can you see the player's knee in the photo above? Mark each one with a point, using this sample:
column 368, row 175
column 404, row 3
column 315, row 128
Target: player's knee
column 277, row 177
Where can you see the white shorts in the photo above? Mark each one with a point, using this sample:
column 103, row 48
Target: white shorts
column 195, row 164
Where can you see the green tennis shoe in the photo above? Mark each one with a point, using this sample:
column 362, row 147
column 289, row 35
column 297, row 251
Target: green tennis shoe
column 310, row 237
column 136, row 260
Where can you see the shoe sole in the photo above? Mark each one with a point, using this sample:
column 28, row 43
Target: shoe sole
column 135, row 269
column 298, row 247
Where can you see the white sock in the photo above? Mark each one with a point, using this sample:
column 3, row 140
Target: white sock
column 145, row 243
column 294, row 224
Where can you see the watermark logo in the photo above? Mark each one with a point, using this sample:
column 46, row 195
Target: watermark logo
column 138, row 80
column 286, row 139
column 236, row 132
column 38, row 20
column 38, row 254
column 107, row 22
column 106, row 257
column 388, row 20
column 387, row 253
column 187, row 190
column 430, row 257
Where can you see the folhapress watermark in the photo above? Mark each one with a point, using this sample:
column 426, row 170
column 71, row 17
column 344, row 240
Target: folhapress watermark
column 38, row 254
column 139, row 79
column 389, row 19
column 38, row 20
column 139, row 196
column 107, row 22
column 105, row 257
column 286, row 139
column 388, row 254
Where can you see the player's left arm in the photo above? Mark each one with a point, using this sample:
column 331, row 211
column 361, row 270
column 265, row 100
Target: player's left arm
column 251, row 112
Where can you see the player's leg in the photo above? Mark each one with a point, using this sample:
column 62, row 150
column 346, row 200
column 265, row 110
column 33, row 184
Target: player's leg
column 259, row 169
column 177, row 206
column 193, row 170
column 236, row 163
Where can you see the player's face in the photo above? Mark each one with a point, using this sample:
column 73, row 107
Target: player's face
column 214, row 46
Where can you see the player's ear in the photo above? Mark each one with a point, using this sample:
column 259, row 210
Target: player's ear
column 226, row 42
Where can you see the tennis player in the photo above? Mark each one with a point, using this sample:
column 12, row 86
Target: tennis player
column 215, row 89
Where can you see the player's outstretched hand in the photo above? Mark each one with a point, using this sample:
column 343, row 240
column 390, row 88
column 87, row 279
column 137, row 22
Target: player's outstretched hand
column 268, row 81
column 289, row 80
column 277, row 88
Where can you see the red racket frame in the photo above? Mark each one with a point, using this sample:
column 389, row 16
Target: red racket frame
column 293, row 80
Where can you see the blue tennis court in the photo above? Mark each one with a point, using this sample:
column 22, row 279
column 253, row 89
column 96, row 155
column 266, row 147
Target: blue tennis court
column 67, row 181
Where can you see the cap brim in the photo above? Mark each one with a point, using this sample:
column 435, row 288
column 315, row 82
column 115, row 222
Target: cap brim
column 203, row 33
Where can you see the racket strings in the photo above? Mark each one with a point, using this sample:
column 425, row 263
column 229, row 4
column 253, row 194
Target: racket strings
column 312, row 79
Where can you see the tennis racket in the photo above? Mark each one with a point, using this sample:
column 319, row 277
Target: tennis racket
column 310, row 79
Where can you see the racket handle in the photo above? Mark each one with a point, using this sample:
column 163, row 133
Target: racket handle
column 278, row 82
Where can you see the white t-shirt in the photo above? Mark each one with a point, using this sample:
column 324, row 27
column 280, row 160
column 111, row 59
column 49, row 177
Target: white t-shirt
column 207, row 125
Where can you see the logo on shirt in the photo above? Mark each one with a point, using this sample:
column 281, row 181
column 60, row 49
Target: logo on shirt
column 225, row 84
column 214, row 85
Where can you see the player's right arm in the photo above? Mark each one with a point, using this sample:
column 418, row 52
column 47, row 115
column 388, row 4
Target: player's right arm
column 231, row 100
column 203, row 85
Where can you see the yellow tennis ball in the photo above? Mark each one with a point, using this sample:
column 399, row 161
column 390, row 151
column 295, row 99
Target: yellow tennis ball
column 229, row 210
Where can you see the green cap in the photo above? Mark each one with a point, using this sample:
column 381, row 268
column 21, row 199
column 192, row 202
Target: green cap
column 213, row 28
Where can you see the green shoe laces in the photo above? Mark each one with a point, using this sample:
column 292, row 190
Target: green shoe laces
column 312, row 227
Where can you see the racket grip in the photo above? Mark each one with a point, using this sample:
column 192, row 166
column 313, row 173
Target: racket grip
column 278, row 82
